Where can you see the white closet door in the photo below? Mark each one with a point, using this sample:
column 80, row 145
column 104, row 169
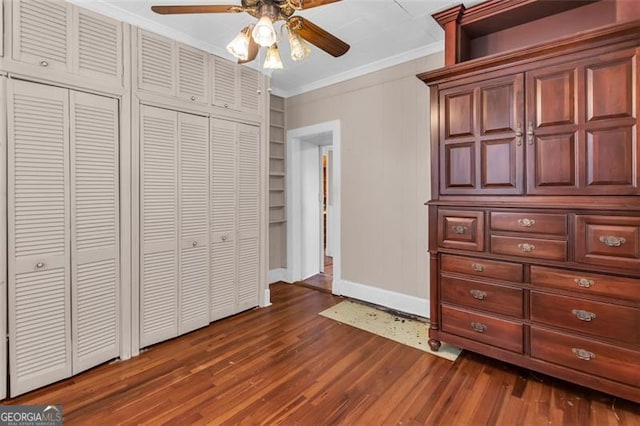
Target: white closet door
column 249, row 89
column 159, row 225
column 98, row 42
column 223, row 218
column 38, row 224
column 94, row 230
column 225, row 85
column 193, row 65
column 156, row 63
column 248, row 216
column 193, row 144
column 3, row 239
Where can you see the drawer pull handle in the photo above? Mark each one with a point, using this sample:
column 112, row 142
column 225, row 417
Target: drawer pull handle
column 477, row 267
column 584, row 315
column 583, row 354
column 40, row 265
column 612, row 241
column 585, row 282
column 478, row 294
column 519, row 134
column 526, row 222
column 526, row 247
column 479, row 327
column 459, row 229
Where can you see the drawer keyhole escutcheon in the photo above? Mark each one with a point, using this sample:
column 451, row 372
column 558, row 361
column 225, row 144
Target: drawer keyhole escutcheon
column 478, row 294
column 479, row 327
column 526, row 247
column 477, row 267
column 612, row 241
column 526, row 222
column 583, row 315
column 585, row 282
column 459, row 229
column 583, row 354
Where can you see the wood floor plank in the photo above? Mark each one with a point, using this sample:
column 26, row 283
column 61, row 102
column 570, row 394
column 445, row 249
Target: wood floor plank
column 285, row 364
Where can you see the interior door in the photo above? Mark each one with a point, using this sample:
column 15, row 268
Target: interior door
column 95, row 283
column 38, row 224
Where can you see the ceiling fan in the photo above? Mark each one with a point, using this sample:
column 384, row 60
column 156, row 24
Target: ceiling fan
column 246, row 44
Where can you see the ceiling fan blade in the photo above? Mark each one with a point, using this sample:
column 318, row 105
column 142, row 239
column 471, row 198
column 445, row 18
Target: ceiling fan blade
column 253, row 51
column 201, row 8
column 318, row 37
column 308, row 4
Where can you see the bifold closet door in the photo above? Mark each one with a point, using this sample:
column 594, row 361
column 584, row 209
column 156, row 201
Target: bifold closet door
column 193, row 143
column 159, row 225
column 248, row 216
column 94, row 230
column 38, row 225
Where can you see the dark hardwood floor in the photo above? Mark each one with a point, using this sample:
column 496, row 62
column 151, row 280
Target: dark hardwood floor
column 322, row 281
column 286, row 364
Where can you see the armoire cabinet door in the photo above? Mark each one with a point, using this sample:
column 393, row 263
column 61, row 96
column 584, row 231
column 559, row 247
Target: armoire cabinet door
column 42, row 31
column 95, row 270
column 248, row 216
column 193, row 142
column 193, row 66
column 156, row 63
column 159, row 225
column 38, row 223
column 223, row 218
column 481, row 126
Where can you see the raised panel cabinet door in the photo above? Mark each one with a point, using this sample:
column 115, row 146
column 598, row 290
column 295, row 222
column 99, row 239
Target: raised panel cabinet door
column 224, row 160
column 225, row 83
column 193, row 142
column 481, row 126
column 248, row 216
column 250, row 92
column 159, row 225
column 97, row 46
column 193, row 82
column 42, row 31
column 38, row 235
column 156, row 63
column 95, row 266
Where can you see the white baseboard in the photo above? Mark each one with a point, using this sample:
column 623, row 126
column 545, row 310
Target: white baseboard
column 389, row 299
column 267, row 298
column 276, row 275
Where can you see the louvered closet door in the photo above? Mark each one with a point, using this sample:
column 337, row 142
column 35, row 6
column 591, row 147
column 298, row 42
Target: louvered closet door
column 159, row 225
column 38, row 224
column 192, row 74
column 42, row 32
column 194, row 221
column 248, row 216
column 249, row 90
column 225, row 83
column 223, row 218
column 98, row 42
column 156, row 63
column 94, row 230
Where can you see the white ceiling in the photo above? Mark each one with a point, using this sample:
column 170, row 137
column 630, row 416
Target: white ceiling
column 381, row 33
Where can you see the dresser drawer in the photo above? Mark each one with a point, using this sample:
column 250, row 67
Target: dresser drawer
column 537, row 223
column 461, row 229
column 586, row 282
column 586, row 355
column 609, row 241
column 596, row 318
column 506, row 271
column 482, row 328
column 529, row 247
column 487, row 297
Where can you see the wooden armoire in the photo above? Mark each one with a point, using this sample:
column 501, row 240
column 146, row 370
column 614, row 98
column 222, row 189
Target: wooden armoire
column 534, row 219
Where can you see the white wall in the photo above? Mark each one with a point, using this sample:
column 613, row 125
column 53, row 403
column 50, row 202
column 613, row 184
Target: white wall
column 385, row 177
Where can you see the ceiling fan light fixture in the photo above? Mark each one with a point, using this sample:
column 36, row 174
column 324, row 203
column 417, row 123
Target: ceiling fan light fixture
column 299, row 48
column 239, row 46
column 264, row 33
column 273, row 60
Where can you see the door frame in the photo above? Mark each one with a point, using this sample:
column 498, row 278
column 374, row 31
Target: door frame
column 293, row 188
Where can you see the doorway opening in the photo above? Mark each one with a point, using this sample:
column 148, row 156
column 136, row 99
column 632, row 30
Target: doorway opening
column 313, row 210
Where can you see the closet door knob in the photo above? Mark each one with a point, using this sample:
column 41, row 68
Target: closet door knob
column 195, row 244
column 224, row 238
column 40, row 265
column 193, row 98
column 226, row 105
column 44, row 63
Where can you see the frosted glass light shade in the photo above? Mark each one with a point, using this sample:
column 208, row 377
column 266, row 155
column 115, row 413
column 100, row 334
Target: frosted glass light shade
column 273, row 61
column 239, row 46
column 299, row 48
column 263, row 33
